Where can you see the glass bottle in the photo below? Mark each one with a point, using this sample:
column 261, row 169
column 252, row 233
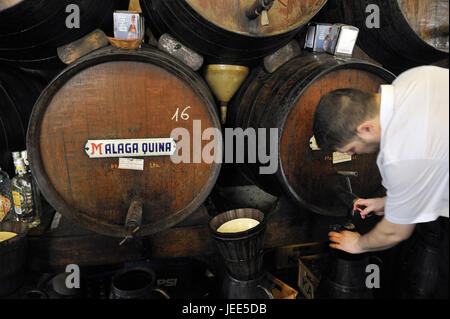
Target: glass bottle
column 6, row 206
column 36, row 193
column 22, row 193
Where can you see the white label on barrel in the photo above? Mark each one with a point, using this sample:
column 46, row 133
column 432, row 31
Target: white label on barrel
column 313, row 144
column 341, row 157
column 130, row 147
column 131, row 163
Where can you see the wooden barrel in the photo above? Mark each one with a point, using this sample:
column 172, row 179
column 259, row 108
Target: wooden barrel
column 31, row 30
column 410, row 33
column 18, row 93
column 221, row 31
column 116, row 94
column 286, row 100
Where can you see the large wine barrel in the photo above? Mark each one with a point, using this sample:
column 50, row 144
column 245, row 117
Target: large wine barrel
column 119, row 94
column 286, row 100
column 220, row 29
column 410, row 33
column 31, row 30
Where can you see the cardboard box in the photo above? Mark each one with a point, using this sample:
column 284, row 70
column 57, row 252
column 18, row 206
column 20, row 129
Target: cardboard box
column 287, row 256
column 309, row 273
column 280, row 290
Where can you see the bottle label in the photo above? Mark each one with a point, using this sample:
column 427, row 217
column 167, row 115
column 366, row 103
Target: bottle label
column 2, row 211
column 20, row 170
column 17, row 202
column 5, row 206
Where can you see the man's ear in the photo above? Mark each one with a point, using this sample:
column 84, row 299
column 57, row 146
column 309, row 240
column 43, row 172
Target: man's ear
column 366, row 129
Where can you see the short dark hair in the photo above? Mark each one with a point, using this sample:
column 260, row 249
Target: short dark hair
column 339, row 113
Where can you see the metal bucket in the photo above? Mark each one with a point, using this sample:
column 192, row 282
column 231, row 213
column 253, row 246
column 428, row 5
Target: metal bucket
column 135, row 283
column 242, row 251
column 345, row 274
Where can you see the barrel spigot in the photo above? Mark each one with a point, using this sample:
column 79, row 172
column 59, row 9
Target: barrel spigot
column 260, row 8
column 347, row 175
column 133, row 220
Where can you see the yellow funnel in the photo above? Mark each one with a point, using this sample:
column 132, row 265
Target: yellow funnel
column 224, row 80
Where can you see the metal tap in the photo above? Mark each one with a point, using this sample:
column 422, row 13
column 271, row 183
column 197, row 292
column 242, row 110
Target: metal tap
column 260, row 8
column 133, row 220
column 349, row 193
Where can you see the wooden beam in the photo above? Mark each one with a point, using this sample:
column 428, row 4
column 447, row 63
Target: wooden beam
column 69, row 244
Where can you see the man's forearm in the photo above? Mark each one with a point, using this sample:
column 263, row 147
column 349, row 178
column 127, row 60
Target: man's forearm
column 374, row 241
column 385, row 235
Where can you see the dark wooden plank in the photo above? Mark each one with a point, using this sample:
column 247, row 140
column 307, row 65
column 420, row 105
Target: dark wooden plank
column 286, row 225
column 90, row 42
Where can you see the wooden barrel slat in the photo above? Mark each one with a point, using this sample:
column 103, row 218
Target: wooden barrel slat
column 287, row 100
column 221, row 31
column 428, row 19
column 115, row 94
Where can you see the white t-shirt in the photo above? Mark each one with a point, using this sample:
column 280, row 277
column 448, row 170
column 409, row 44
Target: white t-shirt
column 413, row 158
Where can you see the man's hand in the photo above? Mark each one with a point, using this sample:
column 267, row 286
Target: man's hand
column 346, row 240
column 383, row 236
column 375, row 205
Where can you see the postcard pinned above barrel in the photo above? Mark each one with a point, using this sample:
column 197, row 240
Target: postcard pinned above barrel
column 129, row 29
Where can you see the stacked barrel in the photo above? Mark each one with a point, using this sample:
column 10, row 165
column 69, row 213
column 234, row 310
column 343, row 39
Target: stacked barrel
column 30, row 33
column 116, row 94
column 229, row 31
column 399, row 34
